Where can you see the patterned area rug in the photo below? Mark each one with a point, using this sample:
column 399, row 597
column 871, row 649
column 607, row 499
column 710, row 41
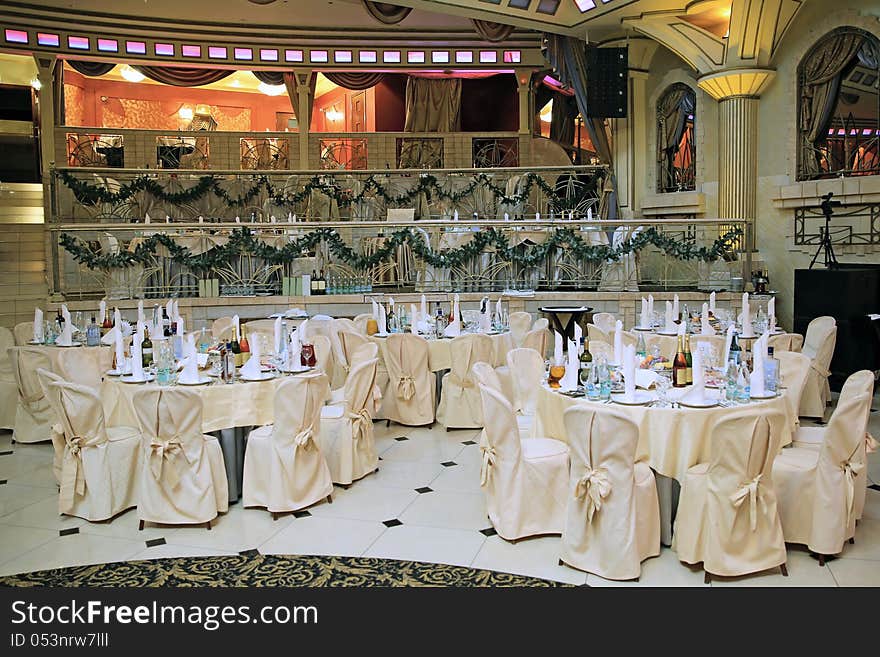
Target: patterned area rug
column 271, row 570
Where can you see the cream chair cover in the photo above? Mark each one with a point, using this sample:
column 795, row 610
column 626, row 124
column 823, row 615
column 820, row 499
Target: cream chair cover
column 346, row 437
column 284, row 470
column 612, row 521
column 520, row 324
column 595, row 334
column 100, row 468
column 409, row 396
column 541, row 323
column 33, row 417
column 8, row 387
column 80, row 366
column 821, row 491
column 727, row 516
column 47, row 378
column 525, row 480
column 221, row 328
column 668, row 345
column 183, row 476
column 23, row 333
column 360, row 321
column 460, row 406
column 786, row 342
column 326, row 363
column 713, row 343
column 350, row 342
column 605, row 322
column 819, row 346
column 794, row 368
column 538, row 339
column 528, row 365
column 485, row 374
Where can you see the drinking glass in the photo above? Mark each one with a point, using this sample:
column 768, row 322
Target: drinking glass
column 163, row 358
column 663, row 384
column 555, row 375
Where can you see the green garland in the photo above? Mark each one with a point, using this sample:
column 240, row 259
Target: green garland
column 428, row 184
column 243, row 241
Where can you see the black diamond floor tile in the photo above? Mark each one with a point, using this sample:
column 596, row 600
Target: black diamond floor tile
column 401, row 438
column 2, row 482
column 6, row 453
column 249, row 553
column 469, row 442
column 154, row 542
column 489, row 531
column 424, row 489
column 301, row 514
column 69, row 532
column 448, row 464
column 394, row 522
column 874, row 486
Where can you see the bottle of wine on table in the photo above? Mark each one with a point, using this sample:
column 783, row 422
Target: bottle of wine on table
column 689, row 359
column 235, row 348
column 679, row 366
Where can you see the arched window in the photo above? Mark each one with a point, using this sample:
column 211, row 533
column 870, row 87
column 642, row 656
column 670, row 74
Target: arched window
column 839, row 113
column 676, row 147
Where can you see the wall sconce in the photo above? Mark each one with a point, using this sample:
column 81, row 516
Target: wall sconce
column 36, row 84
column 334, row 115
column 185, row 113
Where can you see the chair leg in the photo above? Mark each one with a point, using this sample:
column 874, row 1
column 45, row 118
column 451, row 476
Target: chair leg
column 329, row 499
column 141, row 526
column 561, row 562
column 706, row 577
column 274, row 516
column 821, row 559
column 208, row 525
column 852, row 540
column 784, row 570
column 387, row 423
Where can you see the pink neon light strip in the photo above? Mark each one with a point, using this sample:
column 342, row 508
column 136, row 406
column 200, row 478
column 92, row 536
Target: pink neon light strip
column 165, row 49
column 243, row 53
column 216, row 52
column 191, row 51
column 268, row 55
column 79, row 43
column 16, row 36
column 136, row 47
column 108, row 45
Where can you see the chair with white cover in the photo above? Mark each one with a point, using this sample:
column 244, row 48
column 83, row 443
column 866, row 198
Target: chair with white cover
column 786, row 342
column 525, row 480
column 612, row 520
column 409, row 397
column 528, row 365
column 538, row 339
column 8, row 387
column 284, row 470
column 81, row 366
column 460, row 406
column 541, row 323
column 520, row 324
column 33, row 417
column 360, row 321
column 221, row 328
column 819, row 488
column 183, row 479
column 100, row 468
column 727, row 513
column 56, row 431
column 323, row 355
column 351, row 341
column 601, row 349
column 596, row 334
column 23, row 332
column 605, row 322
column 344, row 324
column 819, row 344
column 794, row 368
column 346, row 437
column 484, row 374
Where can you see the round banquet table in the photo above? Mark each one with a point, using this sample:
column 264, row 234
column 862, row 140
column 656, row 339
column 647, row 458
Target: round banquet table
column 229, row 412
column 671, row 440
column 564, row 318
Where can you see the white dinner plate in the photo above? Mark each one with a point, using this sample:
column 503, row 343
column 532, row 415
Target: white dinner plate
column 767, row 395
column 263, row 377
column 113, row 373
column 34, row 342
column 696, row 403
column 667, row 332
column 72, row 344
column 127, row 379
column 203, row 381
column 379, row 335
column 296, row 370
column 640, row 399
column 642, row 328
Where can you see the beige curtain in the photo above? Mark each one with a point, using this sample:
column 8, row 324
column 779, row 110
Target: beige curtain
column 821, row 82
column 492, row 32
column 385, row 12
column 433, row 105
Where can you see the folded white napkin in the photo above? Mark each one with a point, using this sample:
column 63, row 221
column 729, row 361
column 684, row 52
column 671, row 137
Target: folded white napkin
column 590, row 213
column 277, row 342
column 190, row 373
column 618, row 342
column 137, row 359
column 383, row 320
column 375, row 309
column 169, row 310
column 38, row 325
column 569, row 380
column 66, row 337
column 646, row 378
column 111, row 335
column 578, row 334
column 141, row 318
column 414, row 321
column 295, row 351
column 102, row 311
column 650, row 309
column 146, row 218
column 629, row 372
column 756, row 380
column 670, row 320
column 644, row 321
column 675, row 306
column 251, row 369
column 705, row 326
column 771, row 314
column 178, row 329
column 712, row 302
column 698, row 391
column 454, row 328
column 121, row 365
column 176, row 309
column 237, row 324
column 747, row 330
column 728, row 340
column 557, row 348
column 485, row 316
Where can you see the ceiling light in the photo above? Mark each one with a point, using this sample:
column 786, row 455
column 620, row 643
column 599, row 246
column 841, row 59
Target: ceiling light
column 547, row 112
column 272, row 89
column 36, row 84
column 185, row 113
column 131, row 74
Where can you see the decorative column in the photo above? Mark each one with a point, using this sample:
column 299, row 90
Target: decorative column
column 738, row 92
column 303, row 115
column 46, row 104
column 524, row 91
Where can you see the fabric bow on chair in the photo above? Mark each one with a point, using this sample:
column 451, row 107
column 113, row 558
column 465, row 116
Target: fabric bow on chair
column 406, row 387
column 751, row 491
column 303, row 438
column 168, row 450
column 360, row 420
column 871, row 443
column 488, row 461
column 462, row 383
column 594, row 486
column 851, row 470
column 73, row 480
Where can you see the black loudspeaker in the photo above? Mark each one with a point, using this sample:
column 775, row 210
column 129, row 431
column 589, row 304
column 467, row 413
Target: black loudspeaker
column 16, row 103
column 847, row 294
column 607, row 82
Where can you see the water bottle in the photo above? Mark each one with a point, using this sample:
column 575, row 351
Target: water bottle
column 641, row 347
column 604, row 381
column 743, row 385
column 771, row 372
column 730, row 381
column 93, row 334
column 591, row 381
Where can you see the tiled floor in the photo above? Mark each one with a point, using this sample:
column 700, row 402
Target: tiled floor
column 424, row 503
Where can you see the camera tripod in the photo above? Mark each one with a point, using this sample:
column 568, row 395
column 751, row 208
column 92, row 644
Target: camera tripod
column 825, row 245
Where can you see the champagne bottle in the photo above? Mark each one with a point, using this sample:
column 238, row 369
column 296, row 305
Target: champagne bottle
column 235, row 348
column 689, row 359
column 244, row 347
column 166, row 324
column 147, row 348
column 735, row 351
column 679, row 366
column 106, row 323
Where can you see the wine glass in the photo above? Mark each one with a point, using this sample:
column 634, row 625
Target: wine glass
column 555, row 375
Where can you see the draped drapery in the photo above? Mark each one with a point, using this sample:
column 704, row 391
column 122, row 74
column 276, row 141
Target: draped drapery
column 567, row 56
column 355, row 81
column 183, row 77
column 385, row 12
column 492, row 32
column 562, row 118
column 673, row 110
column 90, row 69
column 821, row 75
column 270, row 77
column 433, row 105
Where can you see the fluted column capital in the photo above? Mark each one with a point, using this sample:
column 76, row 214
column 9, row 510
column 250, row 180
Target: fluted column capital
column 738, row 82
